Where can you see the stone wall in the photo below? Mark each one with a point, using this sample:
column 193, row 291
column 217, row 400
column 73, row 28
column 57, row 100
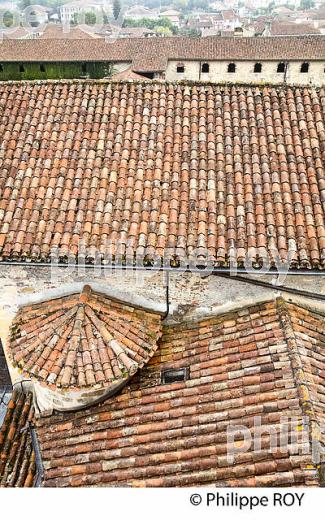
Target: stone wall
column 190, row 295
column 218, row 72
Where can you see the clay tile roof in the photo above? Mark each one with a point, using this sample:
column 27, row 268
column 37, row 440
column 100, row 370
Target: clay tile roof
column 279, row 28
column 84, row 340
column 162, row 169
column 264, row 361
column 17, row 457
column 152, row 54
column 127, row 74
column 54, row 31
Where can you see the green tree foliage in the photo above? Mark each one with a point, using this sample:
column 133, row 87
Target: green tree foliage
column 307, row 4
column 89, row 18
column 46, row 3
column 7, row 18
column 152, row 24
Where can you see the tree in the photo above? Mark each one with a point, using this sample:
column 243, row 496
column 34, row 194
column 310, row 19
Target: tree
column 24, row 3
column 163, row 30
column 89, row 18
column 116, row 8
column 8, row 18
column 306, row 4
column 181, row 5
column 152, row 24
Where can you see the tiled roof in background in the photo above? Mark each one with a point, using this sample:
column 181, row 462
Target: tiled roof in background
column 127, row 74
column 166, row 169
column 280, row 28
column 152, row 54
column 85, row 340
column 17, row 457
column 245, row 364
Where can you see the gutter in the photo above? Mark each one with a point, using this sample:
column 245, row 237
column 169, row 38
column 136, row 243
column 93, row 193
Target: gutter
column 268, row 285
column 200, row 269
column 38, row 457
column 223, row 272
column 24, row 386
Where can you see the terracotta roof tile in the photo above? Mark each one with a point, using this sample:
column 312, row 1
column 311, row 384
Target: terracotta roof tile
column 263, row 361
column 127, row 74
column 282, row 28
column 152, row 54
column 83, row 341
column 17, row 457
column 168, row 169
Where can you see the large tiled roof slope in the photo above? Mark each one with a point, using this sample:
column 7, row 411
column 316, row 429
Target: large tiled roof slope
column 164, row 169
column 85, row 340
column 244, row 366
column 17, row 456
column 152, row 54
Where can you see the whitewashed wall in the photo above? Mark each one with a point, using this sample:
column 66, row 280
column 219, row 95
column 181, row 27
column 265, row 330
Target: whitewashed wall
column 245, row 72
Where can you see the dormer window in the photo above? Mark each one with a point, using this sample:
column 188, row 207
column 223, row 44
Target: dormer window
column 180, row 69
column 205, row 67
column 232, row 67
column 304, row 67
column 258, row 67
column 175, row 375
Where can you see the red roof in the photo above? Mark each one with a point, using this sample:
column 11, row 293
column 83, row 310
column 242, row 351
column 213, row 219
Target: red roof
column 165, row 169
column 152, row 54
column 261, row 362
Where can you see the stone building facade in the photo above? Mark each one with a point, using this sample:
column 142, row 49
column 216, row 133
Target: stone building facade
column 297, row 60
column 293, row 72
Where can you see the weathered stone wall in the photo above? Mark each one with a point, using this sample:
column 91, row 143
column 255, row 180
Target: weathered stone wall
column 218, row 72
column 189, row 295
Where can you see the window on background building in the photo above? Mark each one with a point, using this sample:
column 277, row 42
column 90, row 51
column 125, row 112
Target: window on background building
column 304, row 67
column 205, row 67
column 258, row 67
column 1, row 67
column 84, row 68
column 232, row 67
column 21, row 68
column 42, row 67
column 281, row 67
column 180, row 69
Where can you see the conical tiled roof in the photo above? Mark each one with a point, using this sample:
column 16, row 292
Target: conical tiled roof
column 85, row 340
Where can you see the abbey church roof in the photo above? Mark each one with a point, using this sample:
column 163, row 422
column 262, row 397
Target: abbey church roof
column 83, row 341
column 261, row 363
column 162, row 170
